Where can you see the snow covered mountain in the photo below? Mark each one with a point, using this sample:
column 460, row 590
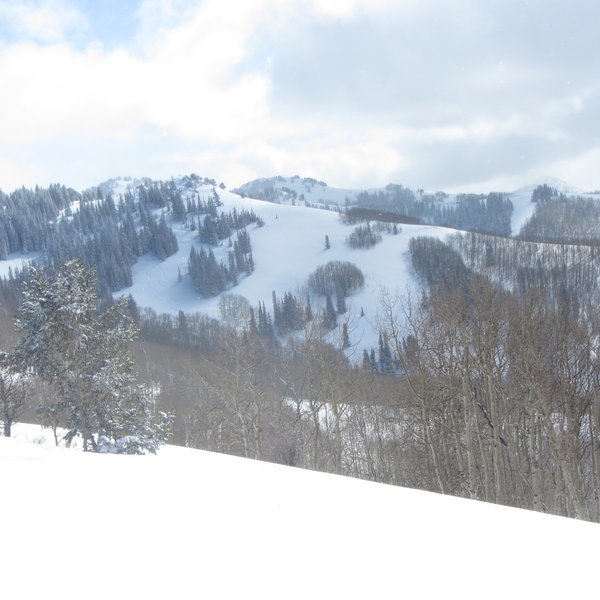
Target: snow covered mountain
column 297, row 190
column 187, row 523
column 286, row 249
column 554, row 182
column 291, row 244
column 289, row 241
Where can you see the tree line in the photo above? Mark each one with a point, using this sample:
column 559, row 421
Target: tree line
column 470, row 212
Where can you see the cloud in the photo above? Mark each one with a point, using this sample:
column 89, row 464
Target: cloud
column 429, row 93
column 182, row 86
column 13, row 174
column 348, row 8
column 47, row 21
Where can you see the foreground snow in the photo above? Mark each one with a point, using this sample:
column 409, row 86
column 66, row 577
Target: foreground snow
column 193, row 524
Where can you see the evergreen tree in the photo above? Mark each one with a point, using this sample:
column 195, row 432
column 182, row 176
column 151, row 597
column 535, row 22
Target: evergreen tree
column 373, row 361
column 85, row 356
column 366, row 361
column 329, row 316
column 308, row 314
column 276, row 310
column 385, row 354
column 345, row 336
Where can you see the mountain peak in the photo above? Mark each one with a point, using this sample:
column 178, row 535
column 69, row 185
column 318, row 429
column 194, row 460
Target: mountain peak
column 553, row 182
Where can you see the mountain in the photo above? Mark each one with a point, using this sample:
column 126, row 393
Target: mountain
column 297, row 190
column 188, row 523
column 554, row 182
column 440, row 400
column 288, row 239
column 286, row 250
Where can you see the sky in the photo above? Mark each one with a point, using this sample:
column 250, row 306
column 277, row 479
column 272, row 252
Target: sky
column 459, row 95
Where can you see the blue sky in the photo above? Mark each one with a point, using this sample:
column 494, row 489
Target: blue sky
column 439, row 94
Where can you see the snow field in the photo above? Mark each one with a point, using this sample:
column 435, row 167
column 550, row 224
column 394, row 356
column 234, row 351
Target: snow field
column 289, row 247
column 192, row 524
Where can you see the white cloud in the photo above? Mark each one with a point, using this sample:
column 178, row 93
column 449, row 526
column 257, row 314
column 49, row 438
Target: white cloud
column 337, row 159
column 46, row 21
column 15, row 174
column 349, row 8
column 182, row 86
column 581, row 169
column 359, row 92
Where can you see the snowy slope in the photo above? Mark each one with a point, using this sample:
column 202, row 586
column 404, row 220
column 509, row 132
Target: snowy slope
column 524, row 208
column 286, row 250
column 17, row 261
column 192, row 524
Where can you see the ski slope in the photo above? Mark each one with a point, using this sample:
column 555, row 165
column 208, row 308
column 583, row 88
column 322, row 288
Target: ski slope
column 192, row 524
column 289, row 247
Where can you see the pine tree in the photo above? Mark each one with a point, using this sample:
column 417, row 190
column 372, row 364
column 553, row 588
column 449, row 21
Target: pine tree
column 329, row 316
column 345, row 336
column 276, row 310
column 373, row 361
column 366, row 362
column 340, row 299
column 308, row 314
column 85, row 356
column 385, row 354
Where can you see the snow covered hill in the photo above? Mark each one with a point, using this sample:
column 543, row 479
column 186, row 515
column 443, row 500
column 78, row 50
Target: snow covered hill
column 286, row 249
column 193, row 524
column 290, row 246
column 297, row 190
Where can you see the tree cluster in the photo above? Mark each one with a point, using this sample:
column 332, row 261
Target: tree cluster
column 211, row 277
column 336, row 278
column 565, row 272
column 507, row 391
column 363, row 236
column 470, row 212
column 558, row 219
column 215, row 228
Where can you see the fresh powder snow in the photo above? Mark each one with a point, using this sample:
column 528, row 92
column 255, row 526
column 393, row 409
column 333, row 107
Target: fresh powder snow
column 192, row 524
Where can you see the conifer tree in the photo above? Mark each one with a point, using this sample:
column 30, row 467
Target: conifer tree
column 85, row 357
column 340, row 299
column 308, row 314
column 345, row 336
column 329, row 316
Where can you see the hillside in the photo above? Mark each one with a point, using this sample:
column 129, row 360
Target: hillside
column 187, row 523
column 287, row 247
column 437, row 394
column 297, row 190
